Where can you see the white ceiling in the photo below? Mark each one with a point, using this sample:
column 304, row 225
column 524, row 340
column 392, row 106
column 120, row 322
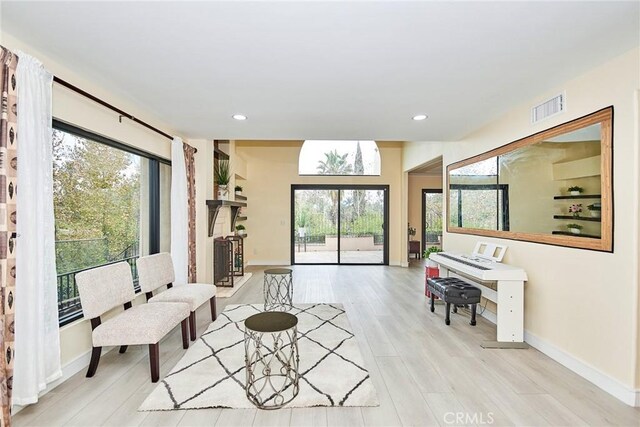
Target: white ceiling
column 326, row 70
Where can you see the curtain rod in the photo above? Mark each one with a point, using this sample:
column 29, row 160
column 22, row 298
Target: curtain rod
column 122, row 113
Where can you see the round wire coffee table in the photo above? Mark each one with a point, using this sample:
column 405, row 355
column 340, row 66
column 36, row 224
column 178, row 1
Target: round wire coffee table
column 278, row 289
column 271, row 359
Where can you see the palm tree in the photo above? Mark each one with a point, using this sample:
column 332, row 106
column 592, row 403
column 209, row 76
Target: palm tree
column 334, row 164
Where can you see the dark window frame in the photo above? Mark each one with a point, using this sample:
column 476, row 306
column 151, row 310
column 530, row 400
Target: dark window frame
column 497, row 187
column 340, row 187
column 423, row 220
column 154, row 193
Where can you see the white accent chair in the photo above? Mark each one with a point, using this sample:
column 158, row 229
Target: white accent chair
column 157, row 270
column 104, row 288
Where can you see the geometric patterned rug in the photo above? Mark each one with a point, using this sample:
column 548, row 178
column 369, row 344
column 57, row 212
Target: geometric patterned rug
column 211, row 374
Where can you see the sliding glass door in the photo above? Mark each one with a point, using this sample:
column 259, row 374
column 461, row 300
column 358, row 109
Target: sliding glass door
column 339, row 224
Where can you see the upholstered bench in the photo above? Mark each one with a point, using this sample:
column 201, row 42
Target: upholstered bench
column 454, row 291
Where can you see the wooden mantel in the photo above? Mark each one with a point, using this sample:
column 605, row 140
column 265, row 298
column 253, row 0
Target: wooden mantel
column 215, row 205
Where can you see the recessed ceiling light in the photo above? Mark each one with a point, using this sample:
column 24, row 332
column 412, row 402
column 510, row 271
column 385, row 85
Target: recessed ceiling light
column 239, row 117
column 419, row 117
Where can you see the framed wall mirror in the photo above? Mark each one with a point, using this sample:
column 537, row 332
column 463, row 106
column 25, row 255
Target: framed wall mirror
column 553, row 187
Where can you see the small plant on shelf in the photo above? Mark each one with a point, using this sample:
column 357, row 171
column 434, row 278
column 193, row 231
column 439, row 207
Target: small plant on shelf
column 595, row 210
column 238, row 189
column 412, row 231
column 222, row 175
column 241, row 230
column 575, row 190
column 574, row 228
column 575, row 209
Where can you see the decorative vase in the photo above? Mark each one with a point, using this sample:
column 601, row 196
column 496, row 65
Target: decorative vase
column 595, row 214
column 223, row 192
column 238, row 193
column 575, row 230
column 574, row 193
column 241, row 232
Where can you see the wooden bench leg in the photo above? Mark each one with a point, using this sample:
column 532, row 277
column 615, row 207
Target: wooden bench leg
column 447, row 320
column 455, row 308
column 433, row 307
column 95, row 359
column 192, row 325
column 185, row 334
column 123, row 348
column 214, row 315
column 154, row 361
column 473, row 315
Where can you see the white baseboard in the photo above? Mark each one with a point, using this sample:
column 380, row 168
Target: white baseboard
column 607, row 383
column 78, row 364
column 268, row 262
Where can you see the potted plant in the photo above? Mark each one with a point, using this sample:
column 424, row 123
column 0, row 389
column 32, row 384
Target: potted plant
column 429, row 251
column 574, row 228
column 412, row 231
column 238, row 190
column 222, row 175
column 595, row 210
column 575, row 190
column 575, row 209
column 241, row 230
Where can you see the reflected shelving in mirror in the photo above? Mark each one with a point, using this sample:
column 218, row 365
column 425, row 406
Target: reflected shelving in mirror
column 520, row 190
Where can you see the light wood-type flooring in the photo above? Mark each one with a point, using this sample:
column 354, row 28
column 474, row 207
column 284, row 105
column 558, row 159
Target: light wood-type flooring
column 425, row 373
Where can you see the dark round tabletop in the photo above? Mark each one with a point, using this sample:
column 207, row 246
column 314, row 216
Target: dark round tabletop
column 278, row 271
column 271, row 321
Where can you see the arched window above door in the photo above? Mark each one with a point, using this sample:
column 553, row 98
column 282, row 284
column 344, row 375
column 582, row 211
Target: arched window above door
column 318, row 157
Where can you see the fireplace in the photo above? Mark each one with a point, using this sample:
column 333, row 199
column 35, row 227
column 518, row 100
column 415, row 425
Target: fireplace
column 222, row 262
column 228, row 259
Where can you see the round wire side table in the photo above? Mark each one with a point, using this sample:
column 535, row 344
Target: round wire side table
column 278, row 289
column 271, row 359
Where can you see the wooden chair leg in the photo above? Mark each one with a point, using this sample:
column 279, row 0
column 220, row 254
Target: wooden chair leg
column 447, row 319
column 455, row 308
column 214, row 315
column 473, row 315
column 433, row 307
column 95, row 359
column 192, row 325
column 185, row 335
column 154, row 361
column 123, row 348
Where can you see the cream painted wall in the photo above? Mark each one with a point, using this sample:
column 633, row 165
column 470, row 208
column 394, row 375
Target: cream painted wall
column 416, row 184
column 75, row 338
column 272, row 166
column 583, row 303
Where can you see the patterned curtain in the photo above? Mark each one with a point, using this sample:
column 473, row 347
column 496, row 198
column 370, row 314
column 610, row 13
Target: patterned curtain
column 8, row 169
column 189, row 161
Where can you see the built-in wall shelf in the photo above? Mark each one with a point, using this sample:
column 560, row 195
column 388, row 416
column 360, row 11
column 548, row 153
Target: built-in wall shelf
column 214, row 207
column 568, row 233
column 578, row 218
column 581, row 196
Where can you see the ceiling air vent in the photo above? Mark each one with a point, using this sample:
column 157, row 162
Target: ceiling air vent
column 548, row 108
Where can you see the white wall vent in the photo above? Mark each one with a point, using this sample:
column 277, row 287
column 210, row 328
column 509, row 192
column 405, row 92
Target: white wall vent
column 555, row 105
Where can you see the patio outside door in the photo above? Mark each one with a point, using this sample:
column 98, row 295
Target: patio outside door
column 339, row 224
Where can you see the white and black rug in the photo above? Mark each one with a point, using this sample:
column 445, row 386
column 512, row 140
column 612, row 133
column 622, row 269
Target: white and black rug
column 212, row 375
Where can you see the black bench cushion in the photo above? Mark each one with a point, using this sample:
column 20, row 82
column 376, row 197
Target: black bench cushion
column 454, row 290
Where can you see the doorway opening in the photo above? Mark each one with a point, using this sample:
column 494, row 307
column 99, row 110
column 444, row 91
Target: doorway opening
column 340, row 224
column 431, row 218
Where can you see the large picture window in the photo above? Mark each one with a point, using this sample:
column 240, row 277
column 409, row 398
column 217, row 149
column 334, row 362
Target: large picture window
column 111, row 204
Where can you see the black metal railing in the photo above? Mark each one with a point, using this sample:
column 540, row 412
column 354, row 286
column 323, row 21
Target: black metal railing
column 69, row 307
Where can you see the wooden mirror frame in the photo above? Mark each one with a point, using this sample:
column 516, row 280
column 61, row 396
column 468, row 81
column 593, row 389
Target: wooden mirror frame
column 605, row 243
